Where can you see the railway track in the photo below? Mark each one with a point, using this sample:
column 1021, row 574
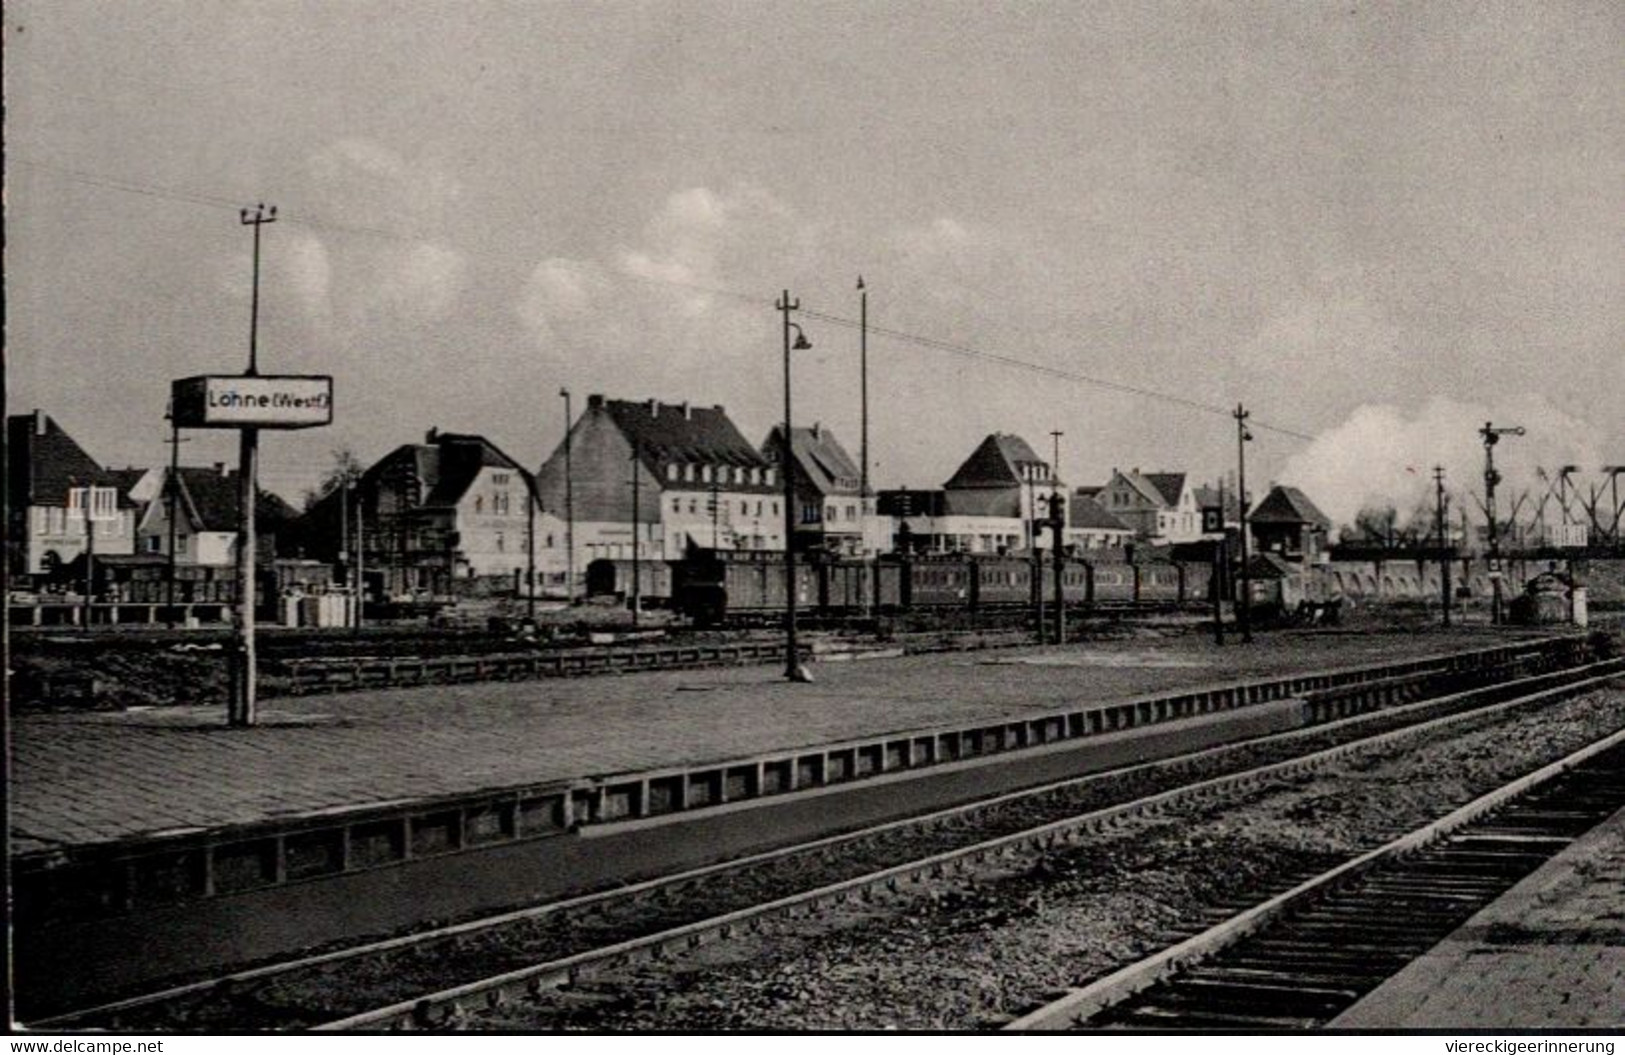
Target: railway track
column 1300, row 958
column 500, row 959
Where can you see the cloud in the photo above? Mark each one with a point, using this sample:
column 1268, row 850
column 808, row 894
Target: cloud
column 1383, row 455
column 365, row 273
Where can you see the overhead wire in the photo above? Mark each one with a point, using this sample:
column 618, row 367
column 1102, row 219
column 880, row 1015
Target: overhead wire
column 935, row 344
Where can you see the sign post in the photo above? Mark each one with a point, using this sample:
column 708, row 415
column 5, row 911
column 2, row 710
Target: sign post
column 250, row 402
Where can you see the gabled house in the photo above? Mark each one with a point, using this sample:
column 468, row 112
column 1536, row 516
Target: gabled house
column 829, row 511
column 1090, row 526
column 43, row 464
column 1160, row 507
column 450, row 516
column 989, row 505
column 206, row 503
column 1287, row 524
column 699, row 482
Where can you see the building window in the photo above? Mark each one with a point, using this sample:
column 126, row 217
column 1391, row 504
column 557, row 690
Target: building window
column 479, row 504
column 499, row 478
column 831, row 514
column 705, row 474
column 767, row 477
column 688, row 473
column 694, row 508
column 671, row 471
column 501, row 542
column 676, row 505
column 744, row 508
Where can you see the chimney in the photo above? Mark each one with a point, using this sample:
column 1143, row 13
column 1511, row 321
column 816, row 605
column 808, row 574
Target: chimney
column 688, row 413
column 595, row 401
column 432, row 435
column 818, row 430
column 220, row 467
column 654, row 408
column 39, row 422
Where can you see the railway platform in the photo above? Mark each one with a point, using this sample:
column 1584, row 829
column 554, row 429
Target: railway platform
column 1549, row 954
column 87, row 779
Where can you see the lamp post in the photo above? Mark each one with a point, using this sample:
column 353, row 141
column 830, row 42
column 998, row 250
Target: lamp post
column 1242, row 437
column 1492, row 436
column 569, row 507
column 792, row 665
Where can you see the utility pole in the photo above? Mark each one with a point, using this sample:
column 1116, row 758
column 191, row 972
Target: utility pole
column 360, row 555
column 1057, row 523
column 1220, row 572
column 1242, row 436
column 1613, row 472
column 1492, row 436
column 637, row 568
column 792, row 658
column 569, row 507
column 89, row 492
column 531, row 498
column 1440, row 504
column 865, row 508
column 173, row 490
column 241, row 710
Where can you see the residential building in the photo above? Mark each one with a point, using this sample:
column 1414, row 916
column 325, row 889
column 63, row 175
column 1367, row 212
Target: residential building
column 698, row 482
column 1090, row 526
column 995, row 502
column 1288, row 525
column 829, row 490
column 207, row 504
column 45, row 533
column 450, row 516
column 1160, row 507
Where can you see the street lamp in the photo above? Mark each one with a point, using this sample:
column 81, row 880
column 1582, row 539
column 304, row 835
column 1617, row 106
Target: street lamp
column 792, row 666
column 1243, row 437
column 569, row 507
column 1492, row 435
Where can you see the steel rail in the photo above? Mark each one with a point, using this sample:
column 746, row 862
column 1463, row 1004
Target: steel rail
column 439, row 1008
column 927, row 821
column 1079, row 1004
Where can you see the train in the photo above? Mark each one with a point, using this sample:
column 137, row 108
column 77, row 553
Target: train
column 711, row 587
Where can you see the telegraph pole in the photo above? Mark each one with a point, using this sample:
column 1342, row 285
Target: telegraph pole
column 1492, row 436
column 241, row 710
column 1242, row 436
column 174, row 492
column 865, row 508
column 637, row 568
column 1444, row 544
column 569, row 507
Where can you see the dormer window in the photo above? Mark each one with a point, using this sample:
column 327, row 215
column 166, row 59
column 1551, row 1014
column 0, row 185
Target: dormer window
column 671, row 471
column 767, row 477
column 705, row 474
column 688, row 473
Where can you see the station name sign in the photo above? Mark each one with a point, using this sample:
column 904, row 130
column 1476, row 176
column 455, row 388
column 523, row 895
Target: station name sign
column 261, row 402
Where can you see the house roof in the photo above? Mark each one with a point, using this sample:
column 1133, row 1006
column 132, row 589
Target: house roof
column 820, row 458
column 209, row 496
column 44, row 462
column 1288, row 505
column 1169, row 485
column 1085, row 512
column 996, row 462
column 447, row 464
column 678, row 432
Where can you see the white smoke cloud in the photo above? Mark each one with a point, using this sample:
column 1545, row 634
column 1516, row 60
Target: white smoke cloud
column 1383, row 455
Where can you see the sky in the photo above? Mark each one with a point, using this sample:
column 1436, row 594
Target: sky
column 1375, row 225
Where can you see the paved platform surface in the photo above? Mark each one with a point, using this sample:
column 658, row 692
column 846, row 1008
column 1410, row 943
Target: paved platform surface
column 79, row 779
column 1549, row 954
